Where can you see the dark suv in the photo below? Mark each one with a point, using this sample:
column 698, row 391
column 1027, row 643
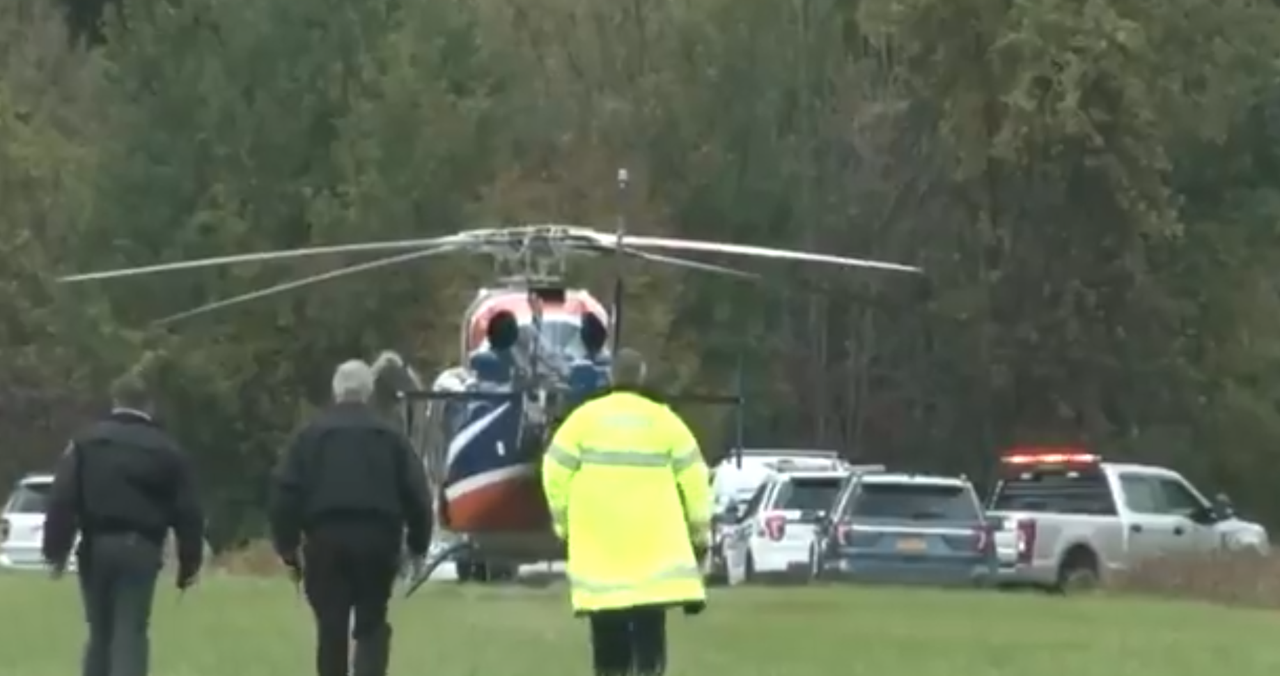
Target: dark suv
column 905, row 529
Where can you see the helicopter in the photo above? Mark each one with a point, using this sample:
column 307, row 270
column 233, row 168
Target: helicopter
column 531, row 346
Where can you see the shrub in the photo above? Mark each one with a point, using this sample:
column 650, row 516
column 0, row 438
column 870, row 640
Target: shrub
column 1230, row 578
column 258, row 558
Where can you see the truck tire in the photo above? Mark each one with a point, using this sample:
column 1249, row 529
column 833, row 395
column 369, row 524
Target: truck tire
column 1078, row 571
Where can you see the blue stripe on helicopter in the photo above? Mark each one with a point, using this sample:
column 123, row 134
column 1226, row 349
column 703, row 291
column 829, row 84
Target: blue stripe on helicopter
column 486, row 434
column 486, row 440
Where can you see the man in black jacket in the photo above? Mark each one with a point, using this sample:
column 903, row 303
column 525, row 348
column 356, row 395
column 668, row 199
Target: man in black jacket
column 122, row 484
column 348, row 490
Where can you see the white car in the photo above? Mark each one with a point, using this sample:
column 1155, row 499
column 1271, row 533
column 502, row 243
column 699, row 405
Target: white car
column 773, row 531
column 22, row 523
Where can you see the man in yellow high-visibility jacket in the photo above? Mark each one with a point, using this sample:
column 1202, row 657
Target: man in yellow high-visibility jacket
column 628, row 491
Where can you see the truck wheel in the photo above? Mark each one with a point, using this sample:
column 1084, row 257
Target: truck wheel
column 1078, row 572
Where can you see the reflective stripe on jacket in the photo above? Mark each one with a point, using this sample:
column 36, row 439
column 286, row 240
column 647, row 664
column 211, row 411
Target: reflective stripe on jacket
column 628, row 488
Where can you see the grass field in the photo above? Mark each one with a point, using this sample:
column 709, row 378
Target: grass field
column 252, row 627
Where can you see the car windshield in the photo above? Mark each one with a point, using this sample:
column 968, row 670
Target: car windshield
column 29, row 498
column 808, row 493
column 914, row 501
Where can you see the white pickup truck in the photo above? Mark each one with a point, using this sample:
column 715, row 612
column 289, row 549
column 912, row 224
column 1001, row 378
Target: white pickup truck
column 1064, row 519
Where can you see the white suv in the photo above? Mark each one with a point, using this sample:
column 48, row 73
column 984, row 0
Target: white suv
column 772, row 532
column 22, row 523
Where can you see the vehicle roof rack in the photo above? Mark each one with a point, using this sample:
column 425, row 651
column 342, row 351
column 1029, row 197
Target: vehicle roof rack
column 791, row 452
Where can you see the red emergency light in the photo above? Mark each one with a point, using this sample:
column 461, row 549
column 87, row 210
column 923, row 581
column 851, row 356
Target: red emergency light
column 1050, row 456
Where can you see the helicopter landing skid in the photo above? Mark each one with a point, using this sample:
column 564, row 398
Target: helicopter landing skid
column 434, row 561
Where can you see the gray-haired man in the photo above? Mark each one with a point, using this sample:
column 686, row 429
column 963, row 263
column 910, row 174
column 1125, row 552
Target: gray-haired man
column 347, row 492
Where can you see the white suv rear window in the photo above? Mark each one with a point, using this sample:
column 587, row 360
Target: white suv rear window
column 808, row 493
column 29, row 498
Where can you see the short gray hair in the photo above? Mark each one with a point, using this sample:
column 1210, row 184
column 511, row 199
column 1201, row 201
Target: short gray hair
column 130, row 391
column 353, row 381
column 628, row 368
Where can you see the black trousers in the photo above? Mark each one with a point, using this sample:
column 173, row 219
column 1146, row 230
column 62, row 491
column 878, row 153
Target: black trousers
column 118, row 575
column 629, row 641
column 350, row 569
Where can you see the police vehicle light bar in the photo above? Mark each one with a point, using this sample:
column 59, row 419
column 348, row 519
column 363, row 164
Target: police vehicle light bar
column 1051, row 456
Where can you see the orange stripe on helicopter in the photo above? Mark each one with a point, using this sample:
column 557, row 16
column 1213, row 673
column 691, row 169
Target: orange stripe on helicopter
column 576, row 303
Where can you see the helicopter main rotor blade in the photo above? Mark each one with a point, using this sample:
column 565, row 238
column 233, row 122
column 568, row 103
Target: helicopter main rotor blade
column 671, row 243
column 773, row 283
column 691, row 264
column 263, row 256
column 305, row 281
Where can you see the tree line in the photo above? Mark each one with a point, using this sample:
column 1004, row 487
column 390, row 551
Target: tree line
column 1091, row 187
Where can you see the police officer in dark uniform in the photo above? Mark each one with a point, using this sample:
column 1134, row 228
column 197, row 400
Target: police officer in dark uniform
column 122, row 484
column 348, row 490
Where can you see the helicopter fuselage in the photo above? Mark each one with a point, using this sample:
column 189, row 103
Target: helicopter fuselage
column 507, row 400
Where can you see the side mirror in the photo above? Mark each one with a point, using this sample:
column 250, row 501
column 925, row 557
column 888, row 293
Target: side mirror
column 1205, row 516
column 1223, row 507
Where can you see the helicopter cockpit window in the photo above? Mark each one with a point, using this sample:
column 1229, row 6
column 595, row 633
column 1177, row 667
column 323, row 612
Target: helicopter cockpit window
column 560, row 340
column 562, row 337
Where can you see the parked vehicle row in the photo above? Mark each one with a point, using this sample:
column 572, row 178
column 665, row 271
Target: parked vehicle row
column 1057, row 519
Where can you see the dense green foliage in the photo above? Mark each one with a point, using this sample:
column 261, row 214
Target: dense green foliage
column 1092, row 186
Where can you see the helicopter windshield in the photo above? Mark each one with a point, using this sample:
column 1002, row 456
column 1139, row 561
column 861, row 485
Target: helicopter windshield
column 559, row 336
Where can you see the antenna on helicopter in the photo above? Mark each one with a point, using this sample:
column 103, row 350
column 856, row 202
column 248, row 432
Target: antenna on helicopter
column 624, row 180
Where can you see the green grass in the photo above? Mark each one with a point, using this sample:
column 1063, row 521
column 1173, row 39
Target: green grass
column 249, row 627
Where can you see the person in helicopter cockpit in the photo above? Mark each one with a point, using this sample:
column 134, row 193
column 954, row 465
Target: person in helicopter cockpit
column 492, row 364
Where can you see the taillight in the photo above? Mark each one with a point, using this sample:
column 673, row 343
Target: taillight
column 1026, row 540
column 4, row 530
column 983, row 539
column 775, row 526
